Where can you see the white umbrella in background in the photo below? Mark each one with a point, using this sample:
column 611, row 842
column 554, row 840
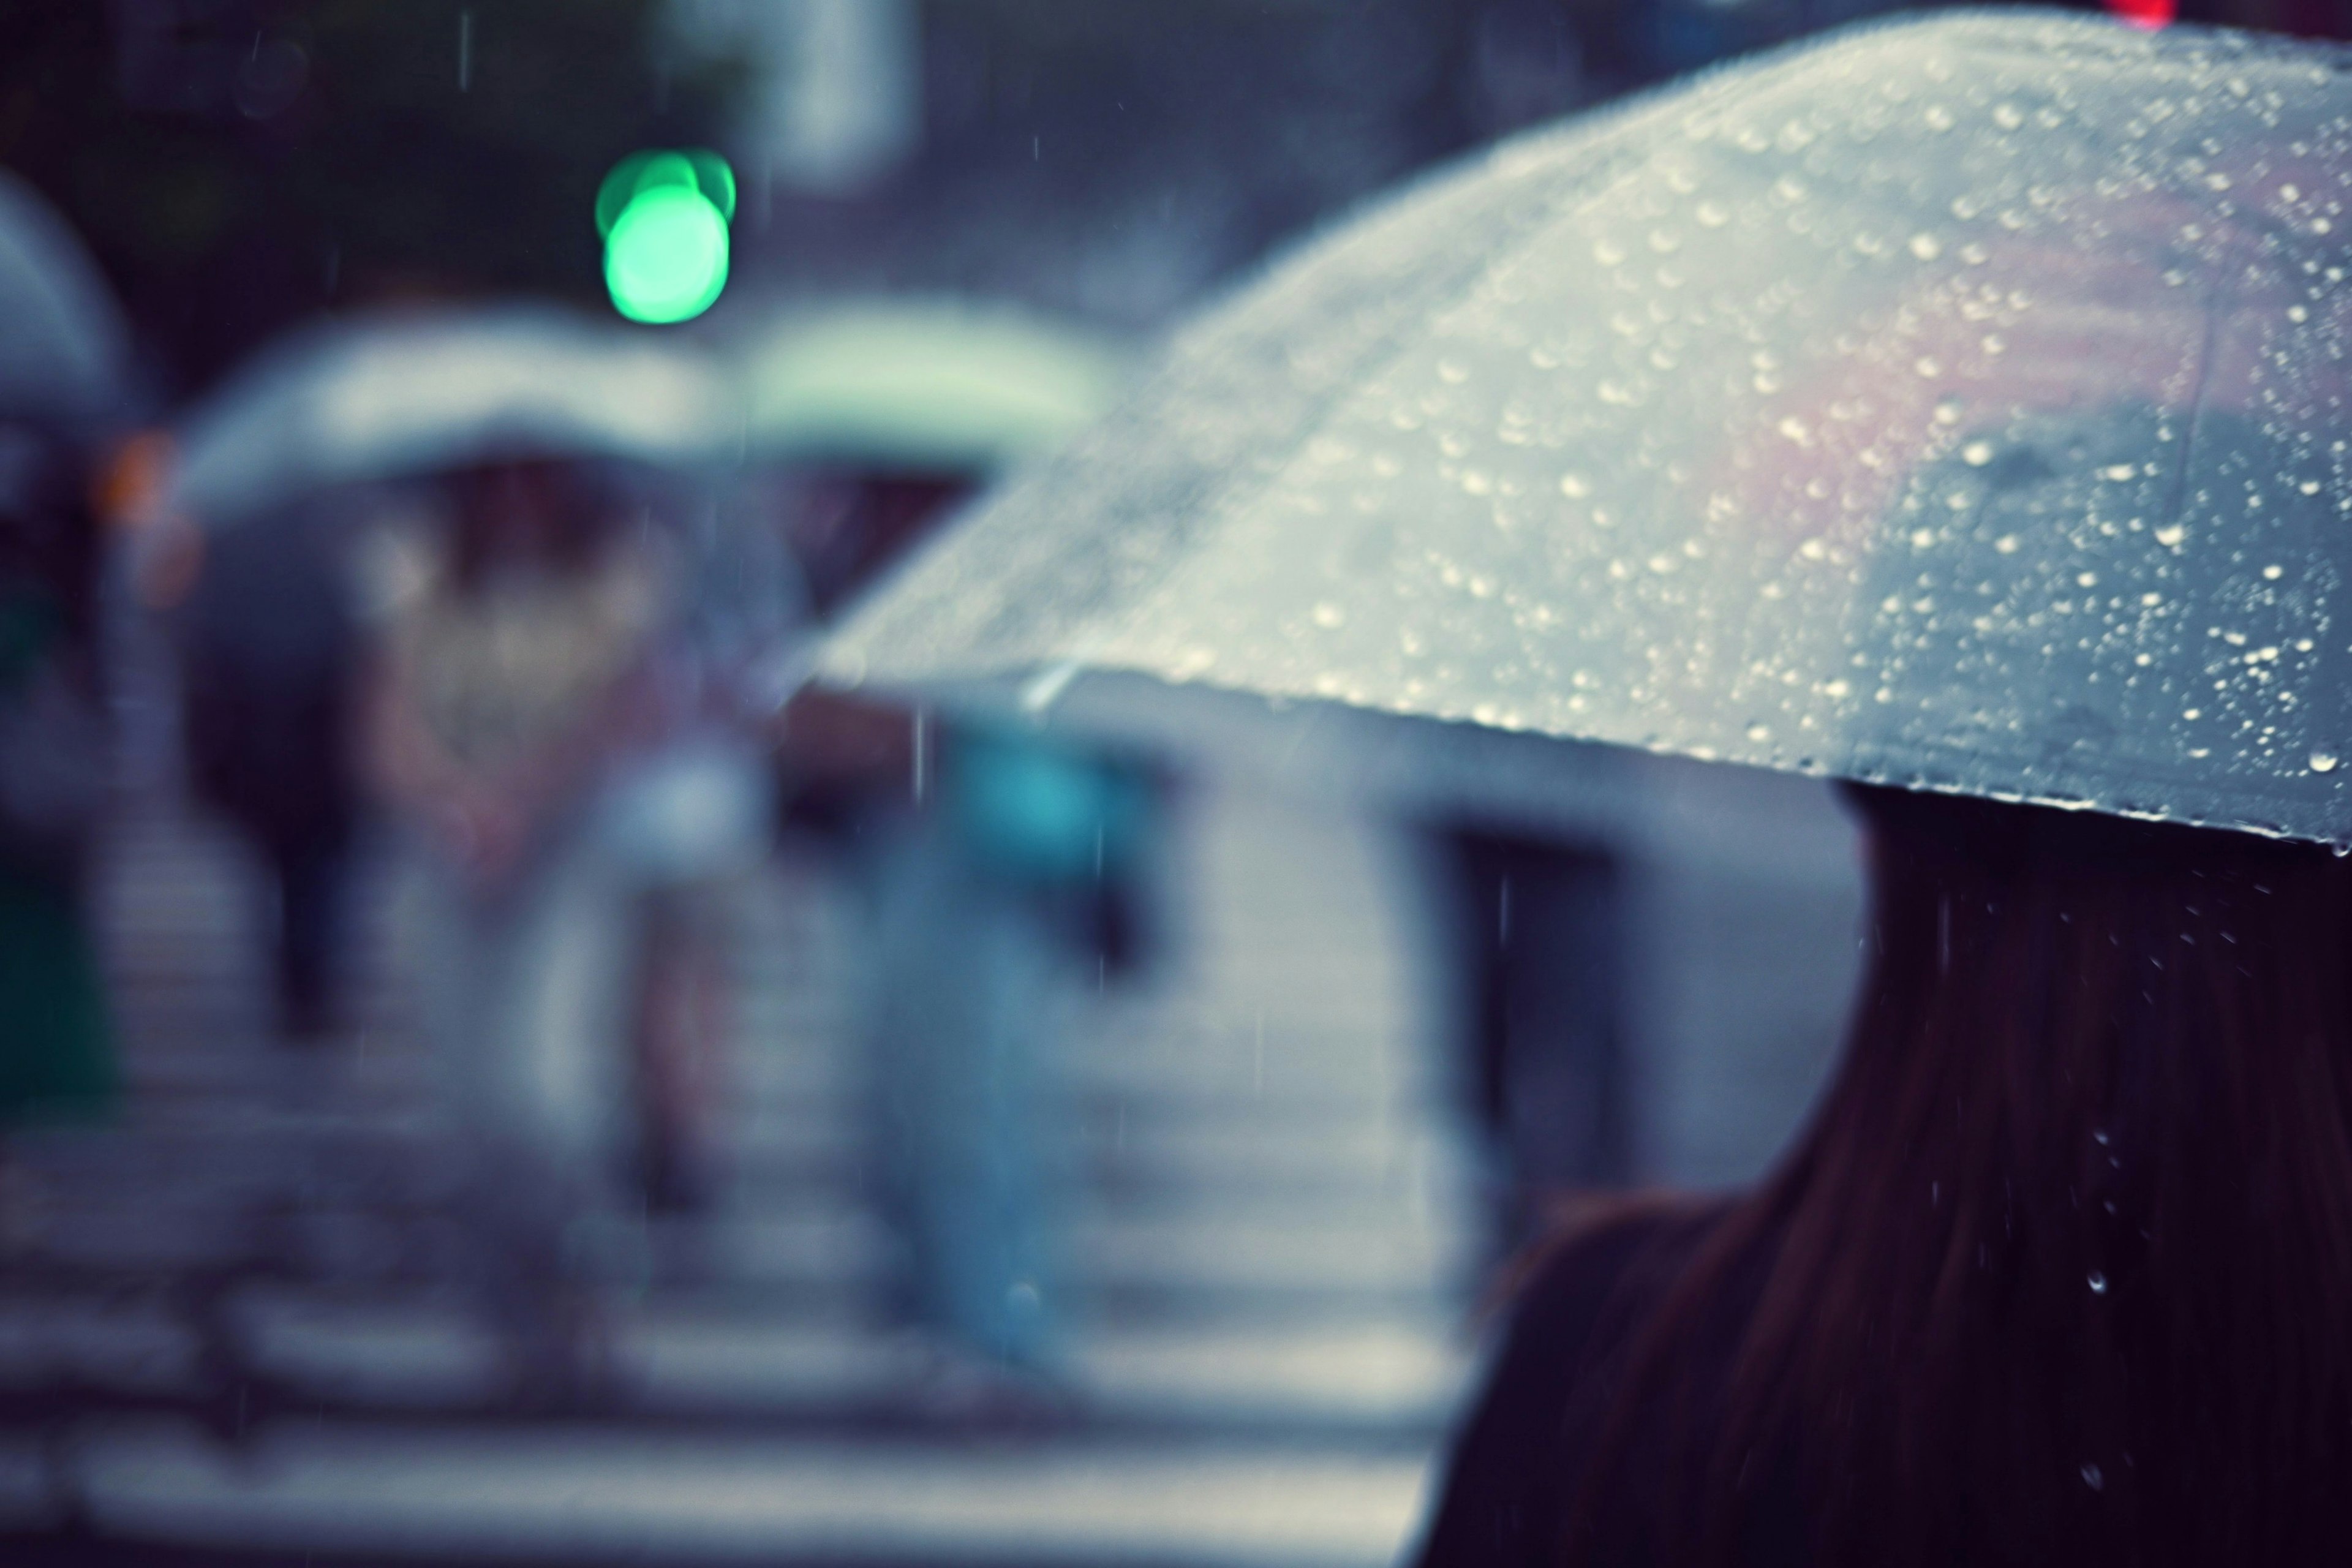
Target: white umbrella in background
column 401, row 393
column 63, row 345
column 932, row 384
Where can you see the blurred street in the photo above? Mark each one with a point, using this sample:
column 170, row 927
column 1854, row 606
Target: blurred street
column 238, row 1307
column 902, row 782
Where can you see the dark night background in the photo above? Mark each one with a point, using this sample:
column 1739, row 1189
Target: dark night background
column 241, row 165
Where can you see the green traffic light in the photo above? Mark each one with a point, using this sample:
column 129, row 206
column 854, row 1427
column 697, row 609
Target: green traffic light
column 664, row 217
column 665, row 258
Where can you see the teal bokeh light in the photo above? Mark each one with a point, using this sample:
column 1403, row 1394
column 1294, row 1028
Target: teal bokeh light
column 664, row 217
column 665, row 258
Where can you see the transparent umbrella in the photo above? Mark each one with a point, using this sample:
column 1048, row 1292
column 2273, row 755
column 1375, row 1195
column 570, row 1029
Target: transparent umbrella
column 1959, row 403
column 62, row 342
column 409, row 391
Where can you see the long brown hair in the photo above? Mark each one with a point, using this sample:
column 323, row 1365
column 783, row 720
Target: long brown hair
column 2061, row 1271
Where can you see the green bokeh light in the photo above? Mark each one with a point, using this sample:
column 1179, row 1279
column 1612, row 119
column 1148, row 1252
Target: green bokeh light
column 665, row 253
column 696, row 168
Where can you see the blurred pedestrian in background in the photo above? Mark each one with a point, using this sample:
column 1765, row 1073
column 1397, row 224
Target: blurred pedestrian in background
column 1002, row 873
column 992, row 912
column 269, row 657
column 56, row 1057
column 63, row 358
column 519, row 669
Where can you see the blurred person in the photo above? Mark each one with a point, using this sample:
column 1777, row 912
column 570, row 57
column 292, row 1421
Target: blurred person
column 2058, row 1273
column 524, row 722
column 988, row 922
column 269, row 664
column 56, row 1058
column 1001, row 875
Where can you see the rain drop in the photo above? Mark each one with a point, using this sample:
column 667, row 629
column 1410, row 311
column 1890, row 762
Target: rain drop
column 2323, row 762
column 1977, row 454
column 2098, row 1283
column 1926, row 247
column 1574, row 486
column 2094, row 1478
column 1329, row 615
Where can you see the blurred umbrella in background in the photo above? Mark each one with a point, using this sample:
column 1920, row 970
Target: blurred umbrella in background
column 934, row 385
column 64, row 348
column 877, row 414
column 270, row 491
column 405, row 392
column 1955, row 402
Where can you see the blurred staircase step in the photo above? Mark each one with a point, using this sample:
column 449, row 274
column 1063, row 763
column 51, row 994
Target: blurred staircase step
column 603, row 1496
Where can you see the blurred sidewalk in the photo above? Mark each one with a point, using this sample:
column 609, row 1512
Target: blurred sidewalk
column 229, row 1325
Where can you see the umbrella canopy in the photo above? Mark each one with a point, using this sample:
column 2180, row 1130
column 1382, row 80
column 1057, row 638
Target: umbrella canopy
column 405, row 392
column 1958, row 403
column 931, row 384
column 63, row 345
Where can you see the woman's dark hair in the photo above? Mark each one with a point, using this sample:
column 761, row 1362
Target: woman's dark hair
column 2061, row 1270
